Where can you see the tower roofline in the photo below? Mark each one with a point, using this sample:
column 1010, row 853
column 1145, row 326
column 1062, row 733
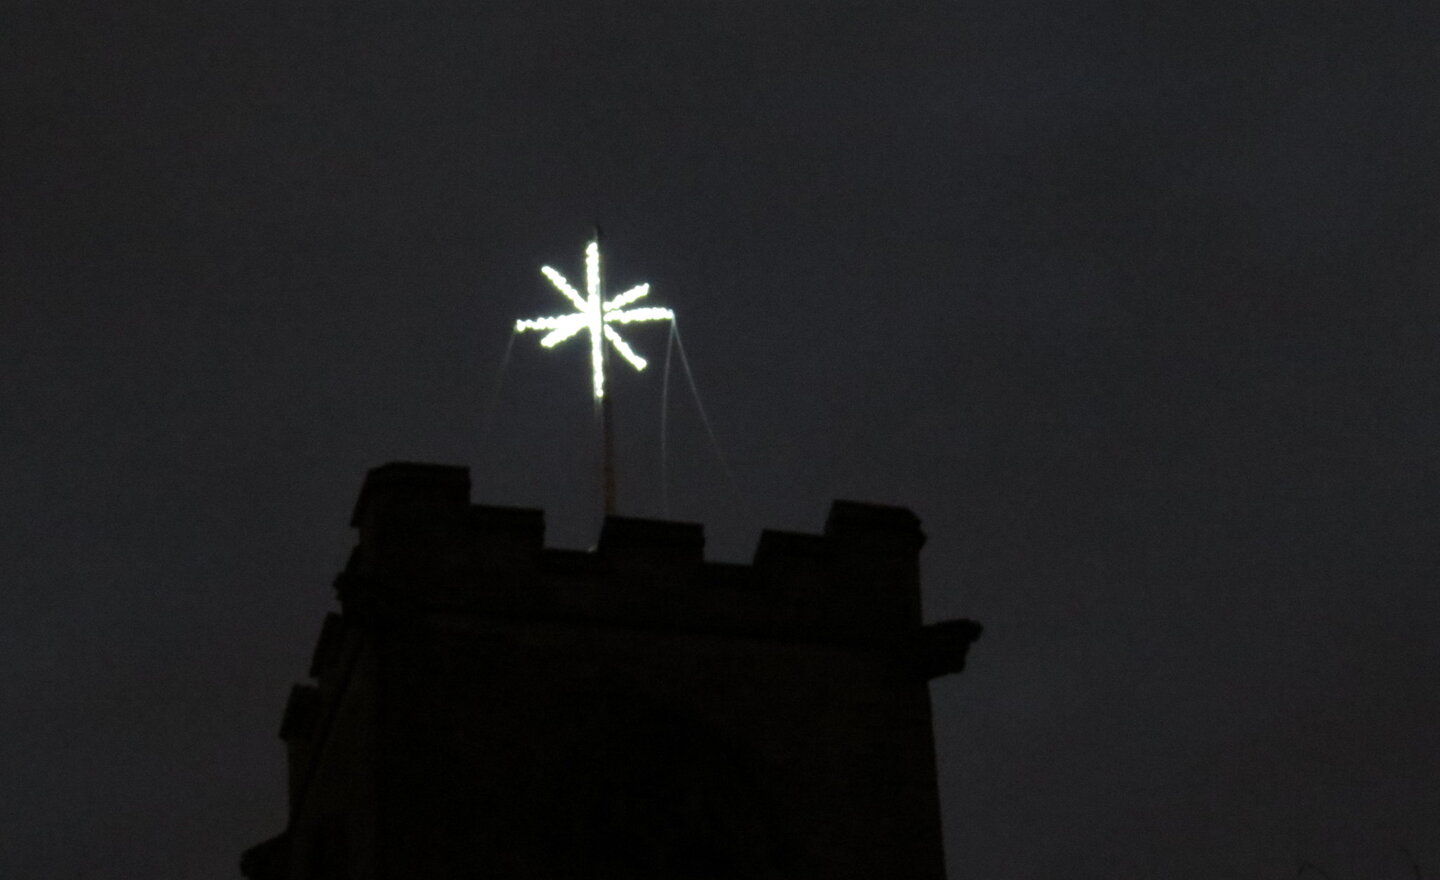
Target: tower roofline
column 424, row 547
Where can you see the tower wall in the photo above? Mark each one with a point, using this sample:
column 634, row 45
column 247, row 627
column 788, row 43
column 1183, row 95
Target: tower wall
column 486, row 706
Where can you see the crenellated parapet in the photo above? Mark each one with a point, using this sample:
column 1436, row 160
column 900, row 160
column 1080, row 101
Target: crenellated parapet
column 425, row 548
column 483, row 704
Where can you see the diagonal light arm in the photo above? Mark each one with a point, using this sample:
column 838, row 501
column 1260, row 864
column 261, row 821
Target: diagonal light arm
column 564, row 287
column 640, row 291
column 624, row 348
column 568, row 328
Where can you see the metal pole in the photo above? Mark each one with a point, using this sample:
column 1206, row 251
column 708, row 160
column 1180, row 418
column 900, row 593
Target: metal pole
column 606, row 414
column 608, row 440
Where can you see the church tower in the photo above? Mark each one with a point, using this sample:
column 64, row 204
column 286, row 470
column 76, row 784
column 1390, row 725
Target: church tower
column 483, row 706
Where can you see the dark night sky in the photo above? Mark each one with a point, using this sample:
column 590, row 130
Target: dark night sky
column 1134, row 304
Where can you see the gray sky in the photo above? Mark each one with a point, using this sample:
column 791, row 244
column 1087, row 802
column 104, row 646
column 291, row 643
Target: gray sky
column 1133, row 304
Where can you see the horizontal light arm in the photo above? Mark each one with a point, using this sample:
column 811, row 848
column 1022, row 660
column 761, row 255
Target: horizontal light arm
column 630, row 316
column 554, row 322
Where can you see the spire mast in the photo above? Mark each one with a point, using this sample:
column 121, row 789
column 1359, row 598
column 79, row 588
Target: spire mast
column 605, row 409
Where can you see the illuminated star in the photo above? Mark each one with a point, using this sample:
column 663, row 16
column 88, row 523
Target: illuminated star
column 595, row 314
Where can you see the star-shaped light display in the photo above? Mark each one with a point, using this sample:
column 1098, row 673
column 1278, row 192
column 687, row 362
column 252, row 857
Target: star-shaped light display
column 596, row 314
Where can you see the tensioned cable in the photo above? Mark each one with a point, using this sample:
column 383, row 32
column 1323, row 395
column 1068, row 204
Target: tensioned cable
column 705, row 420
column 488, row 424
column 664, row 424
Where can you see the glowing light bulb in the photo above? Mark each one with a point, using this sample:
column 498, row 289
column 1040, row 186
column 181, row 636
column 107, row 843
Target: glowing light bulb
column 595, row 314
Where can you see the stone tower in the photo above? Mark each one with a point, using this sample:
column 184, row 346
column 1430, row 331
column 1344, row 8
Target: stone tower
column 487, row 707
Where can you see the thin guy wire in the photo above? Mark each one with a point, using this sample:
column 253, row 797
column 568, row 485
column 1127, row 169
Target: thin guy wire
column 665, row 425
column 488, row 425
column 705, row 419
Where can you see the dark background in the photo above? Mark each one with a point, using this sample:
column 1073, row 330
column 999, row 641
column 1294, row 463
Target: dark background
column 1132, row 303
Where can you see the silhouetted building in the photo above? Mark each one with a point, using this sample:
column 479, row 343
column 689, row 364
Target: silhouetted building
column 487, row 707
